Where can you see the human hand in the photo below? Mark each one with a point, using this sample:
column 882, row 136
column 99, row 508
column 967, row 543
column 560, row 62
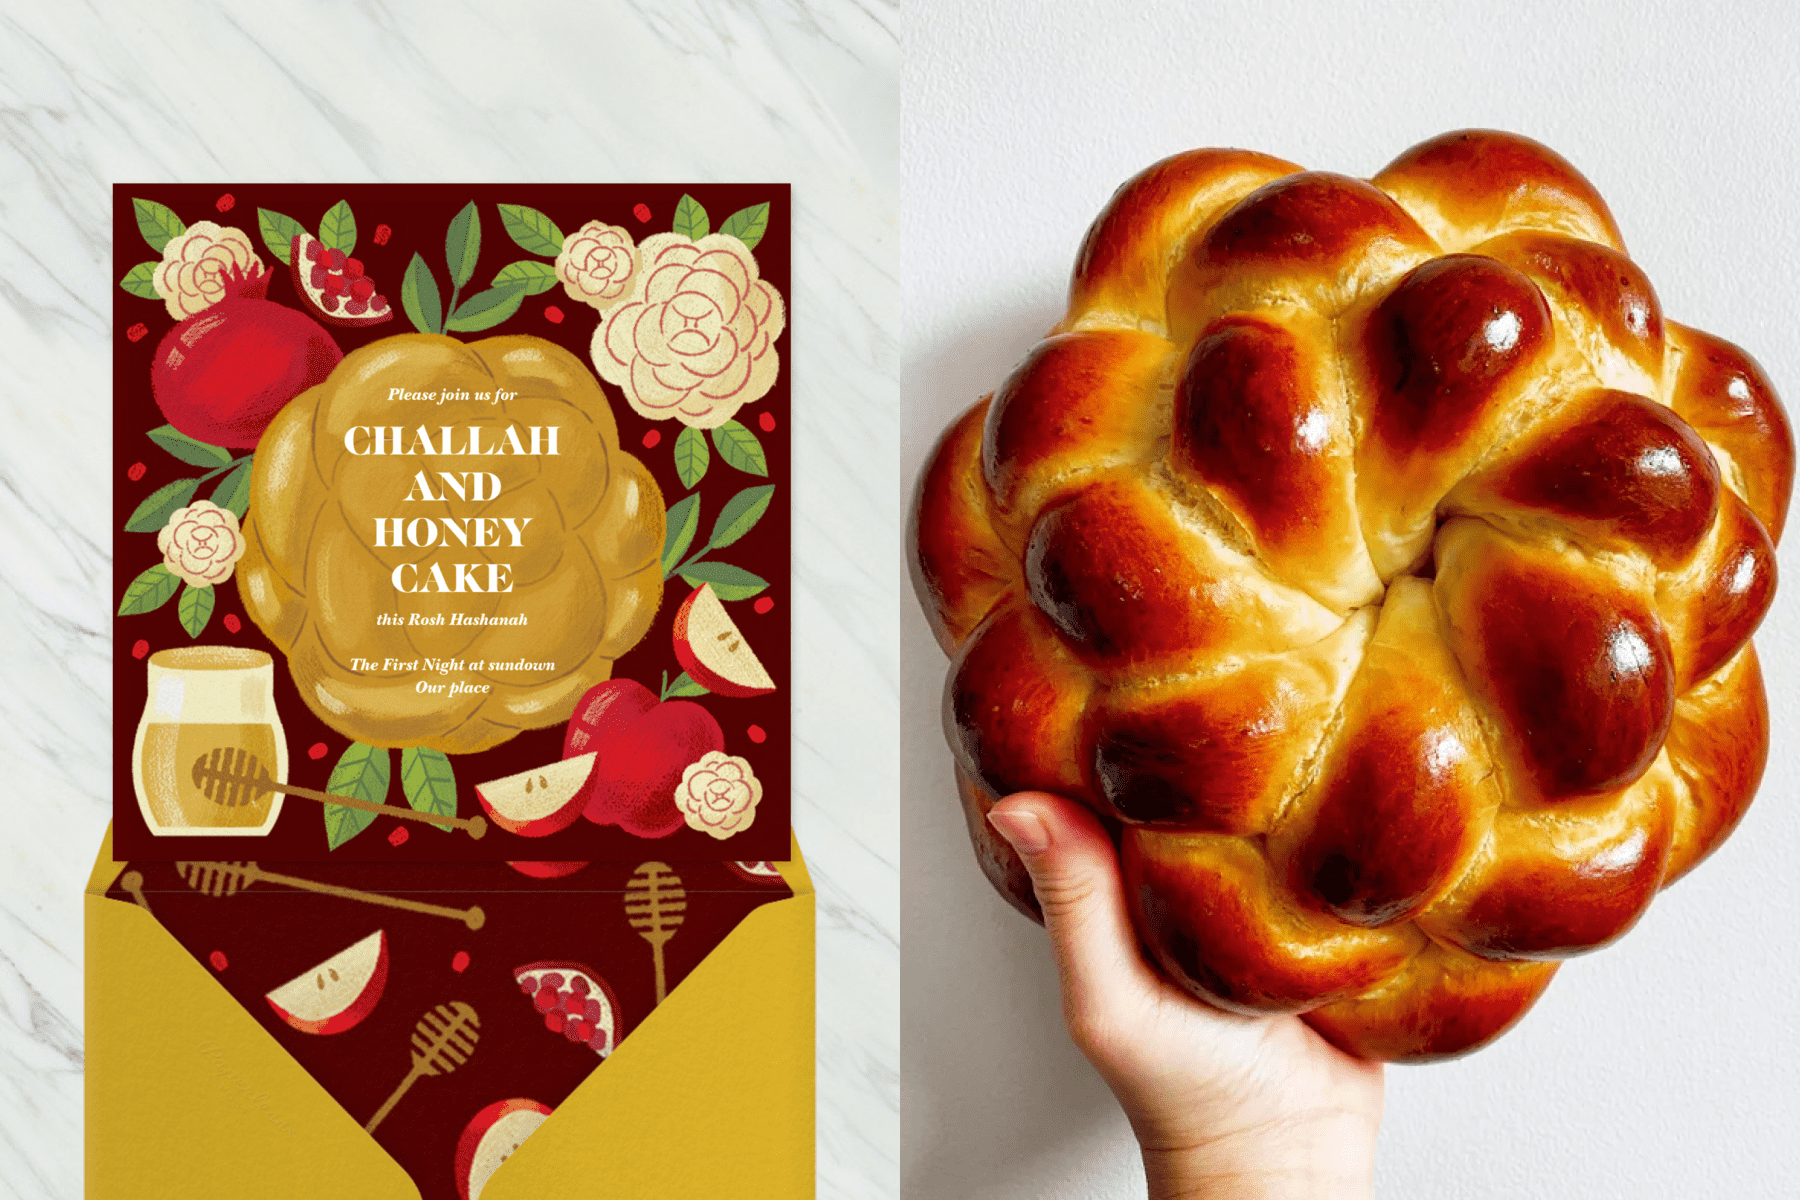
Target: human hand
column 1225, row 1107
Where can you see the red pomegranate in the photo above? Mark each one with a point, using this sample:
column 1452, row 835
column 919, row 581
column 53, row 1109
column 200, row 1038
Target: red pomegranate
column 221, row 375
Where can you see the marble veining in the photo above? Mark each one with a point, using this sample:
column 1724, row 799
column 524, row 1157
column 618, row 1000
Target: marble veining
column 804, row 91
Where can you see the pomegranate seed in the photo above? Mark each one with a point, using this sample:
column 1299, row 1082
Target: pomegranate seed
column 382, row 234
column 576, row 1030
column 313, row 251
column 360, row 289
column 135, row 472
column 460, row 963
column 652, row 438
column 553, row 314
column 398, row 837
column 378, row 303
column 641, row 212
column 225, row 203
column 138, row 332
column 579, row 984
column 553, row 1020
column 353, row 268
column 764, row 604
column 598, row 1040
column 357, row 308
column 318, row 751
column 232, row 624
column 334, row 285
column 319, row 276
column 528, row 987
column 593, row 1011
column 218, row 960
column 545, row 1000
column 572, row 1004
column 330, row 302
column 766, row 422
column 756, row 734
column 140, row 648
column 553, row 980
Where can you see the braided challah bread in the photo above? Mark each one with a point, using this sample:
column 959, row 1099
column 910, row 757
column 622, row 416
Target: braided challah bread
column 1381, row 566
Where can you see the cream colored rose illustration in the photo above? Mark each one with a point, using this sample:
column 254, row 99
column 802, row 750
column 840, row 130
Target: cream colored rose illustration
column 201, row 543
column 719, row 794
column 597, row 265
column 696, row 340
column 196, row 264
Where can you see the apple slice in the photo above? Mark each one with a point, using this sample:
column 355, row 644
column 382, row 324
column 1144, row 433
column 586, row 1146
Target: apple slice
column 713, row 651
column 541, row 801
column 338, row 993
column 489, row 1140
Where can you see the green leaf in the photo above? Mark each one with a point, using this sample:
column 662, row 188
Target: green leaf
column 683, row 523
column 195, row 609
column 462, row 244
column 729, row 582
column 362, row 772
column 484, row 310
column 748, row 225
column 192, row 451
column 740, row 514
column 278, row 233
column 157, row 223
column 741, row 449
column 428, row 780
column 419, row 297
column 337, row 228
column 690, row 218
column 149, row 591
column 537, row 277
column 532, row 230
column 153, row 513
column 141, row 280
column 691, row 456
column 233, row 491
column 683, row 686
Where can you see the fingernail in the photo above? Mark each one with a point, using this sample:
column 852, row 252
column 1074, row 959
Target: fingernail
column 1023, row 829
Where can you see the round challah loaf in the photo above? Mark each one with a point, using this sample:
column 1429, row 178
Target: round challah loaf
column 1381, row 566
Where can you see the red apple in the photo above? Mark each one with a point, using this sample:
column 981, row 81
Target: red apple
column 604, row 713
column 541, row 801
column 713, row 651
column 642, row 747
column 489, row 1139
column 338, row 993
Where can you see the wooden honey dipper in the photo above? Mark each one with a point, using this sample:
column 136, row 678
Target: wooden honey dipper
column 442, row 1041
column 231, row 776
column 230, row 878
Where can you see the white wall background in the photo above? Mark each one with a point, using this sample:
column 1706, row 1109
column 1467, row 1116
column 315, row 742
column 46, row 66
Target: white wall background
column 1665, row 1066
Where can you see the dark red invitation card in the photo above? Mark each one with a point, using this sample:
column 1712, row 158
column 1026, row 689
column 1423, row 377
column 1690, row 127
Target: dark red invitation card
column 451, row 522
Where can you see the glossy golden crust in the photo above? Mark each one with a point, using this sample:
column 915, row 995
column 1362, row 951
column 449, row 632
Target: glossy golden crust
column 584, row 572
column 1380, row 561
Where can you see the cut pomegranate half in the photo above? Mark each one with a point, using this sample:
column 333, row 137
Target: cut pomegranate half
column 333, row 284
column 574, row 1001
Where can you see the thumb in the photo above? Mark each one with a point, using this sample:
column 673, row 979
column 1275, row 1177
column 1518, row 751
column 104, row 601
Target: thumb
column 1075, row 872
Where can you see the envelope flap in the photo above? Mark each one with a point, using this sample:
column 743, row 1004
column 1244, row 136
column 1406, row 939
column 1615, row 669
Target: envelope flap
column 179, row 1074
column 711, row 1096
column 105, row 869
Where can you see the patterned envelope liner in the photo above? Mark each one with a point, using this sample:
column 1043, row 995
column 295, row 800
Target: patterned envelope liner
column 672, row 302
column 447, row 1004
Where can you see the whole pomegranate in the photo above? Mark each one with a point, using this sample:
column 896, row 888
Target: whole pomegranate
column 222, row 374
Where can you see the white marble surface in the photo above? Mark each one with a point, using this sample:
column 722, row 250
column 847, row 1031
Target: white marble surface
column 1662, row 1067
column 798, row 90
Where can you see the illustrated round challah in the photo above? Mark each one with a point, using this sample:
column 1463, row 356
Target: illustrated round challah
column 1381, row 566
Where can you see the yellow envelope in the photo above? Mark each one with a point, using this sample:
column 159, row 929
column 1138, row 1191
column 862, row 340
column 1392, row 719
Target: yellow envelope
column 187, row 1096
